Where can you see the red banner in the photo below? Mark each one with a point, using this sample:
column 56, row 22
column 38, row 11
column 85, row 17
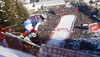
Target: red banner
column 93, row 27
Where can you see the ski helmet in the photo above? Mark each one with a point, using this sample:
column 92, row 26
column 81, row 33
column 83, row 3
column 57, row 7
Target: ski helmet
column 43, row 15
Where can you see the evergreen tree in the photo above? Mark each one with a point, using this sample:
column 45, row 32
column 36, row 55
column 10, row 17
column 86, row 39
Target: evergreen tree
column 13, row 12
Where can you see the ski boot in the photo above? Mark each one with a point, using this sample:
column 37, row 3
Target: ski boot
column 34, row 35
column 21, row 37
column 27, row 39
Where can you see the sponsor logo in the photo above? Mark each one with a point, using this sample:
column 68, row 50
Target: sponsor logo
column 94, row 27
column 62, row 29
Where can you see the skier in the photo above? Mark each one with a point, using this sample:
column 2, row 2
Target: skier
column 29, row 23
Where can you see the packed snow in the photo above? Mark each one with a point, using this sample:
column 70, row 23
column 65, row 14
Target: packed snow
column 8, row 52
column 62, row 31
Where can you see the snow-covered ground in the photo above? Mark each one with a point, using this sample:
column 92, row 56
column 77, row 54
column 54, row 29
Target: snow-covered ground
column 8, row 52
column 62, row 31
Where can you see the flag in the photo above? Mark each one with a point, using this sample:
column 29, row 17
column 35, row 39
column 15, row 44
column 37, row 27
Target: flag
column 76, row 10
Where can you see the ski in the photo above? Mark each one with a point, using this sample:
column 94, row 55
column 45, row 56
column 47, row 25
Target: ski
column 31, row 43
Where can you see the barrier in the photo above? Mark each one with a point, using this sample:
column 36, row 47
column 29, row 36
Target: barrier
column 1, row 35
column 61, row 52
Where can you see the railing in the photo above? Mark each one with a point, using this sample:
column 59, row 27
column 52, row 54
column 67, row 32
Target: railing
column 61, row 52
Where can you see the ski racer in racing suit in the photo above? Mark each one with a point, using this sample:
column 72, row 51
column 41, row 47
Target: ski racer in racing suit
column 28, row 24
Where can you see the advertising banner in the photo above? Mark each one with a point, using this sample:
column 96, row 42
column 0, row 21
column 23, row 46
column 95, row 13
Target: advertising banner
column 93, row 27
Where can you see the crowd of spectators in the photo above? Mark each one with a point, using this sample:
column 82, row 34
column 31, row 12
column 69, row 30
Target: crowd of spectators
column 79, row 30
column 52, row 21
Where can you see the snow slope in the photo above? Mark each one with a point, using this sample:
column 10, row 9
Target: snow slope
column 62, row 31
column 7, row 52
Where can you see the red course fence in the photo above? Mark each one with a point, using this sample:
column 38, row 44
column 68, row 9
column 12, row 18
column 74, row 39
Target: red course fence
column 4, row 29
column 61, row 52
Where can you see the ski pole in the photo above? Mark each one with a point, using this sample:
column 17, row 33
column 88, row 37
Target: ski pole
column 10, row 26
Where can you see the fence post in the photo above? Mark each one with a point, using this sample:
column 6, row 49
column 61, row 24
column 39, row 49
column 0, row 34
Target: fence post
column 5, row 32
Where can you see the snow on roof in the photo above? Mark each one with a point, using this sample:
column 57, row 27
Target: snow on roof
column 43, row 3
column 87, row 1
column 0, row 1
column 50, row 3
